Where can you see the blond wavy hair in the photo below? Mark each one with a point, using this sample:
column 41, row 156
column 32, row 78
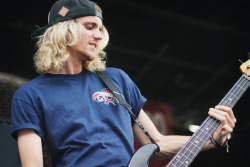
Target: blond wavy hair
column 52, row 46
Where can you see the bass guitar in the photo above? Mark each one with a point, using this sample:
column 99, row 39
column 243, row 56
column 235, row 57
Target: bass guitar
column 193, row 146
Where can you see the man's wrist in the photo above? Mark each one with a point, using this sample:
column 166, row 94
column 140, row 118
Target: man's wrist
column 216, row 145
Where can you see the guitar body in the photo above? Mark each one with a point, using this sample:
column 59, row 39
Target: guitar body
column 143, row 156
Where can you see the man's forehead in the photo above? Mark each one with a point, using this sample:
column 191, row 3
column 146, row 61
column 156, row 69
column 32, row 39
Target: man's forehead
column 90, row 19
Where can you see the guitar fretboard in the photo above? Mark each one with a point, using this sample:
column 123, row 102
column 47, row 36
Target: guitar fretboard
column 194, row 145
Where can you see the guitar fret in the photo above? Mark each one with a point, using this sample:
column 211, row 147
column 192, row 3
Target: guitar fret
column 239, row 88
column 196, row 143
column 200, row 141
column 185, row 159
column 179, row 163
column 196, row 146
column 232, row 99
column 210, row 127
column 204, row 131
column 246, row 76
column 182, row 160
column 228, row 104
column 191, row 155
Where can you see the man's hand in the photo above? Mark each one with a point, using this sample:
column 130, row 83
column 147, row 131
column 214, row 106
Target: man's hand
column 226, row 117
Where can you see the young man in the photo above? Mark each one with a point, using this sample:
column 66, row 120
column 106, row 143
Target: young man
column 71, row 110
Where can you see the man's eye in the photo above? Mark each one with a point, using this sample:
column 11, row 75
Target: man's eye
column 89, row 27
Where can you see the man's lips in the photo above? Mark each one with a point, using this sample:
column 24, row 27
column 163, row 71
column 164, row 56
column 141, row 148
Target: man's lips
column 93, row 44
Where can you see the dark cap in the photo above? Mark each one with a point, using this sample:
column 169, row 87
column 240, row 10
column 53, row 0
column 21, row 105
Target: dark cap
column 64, row 10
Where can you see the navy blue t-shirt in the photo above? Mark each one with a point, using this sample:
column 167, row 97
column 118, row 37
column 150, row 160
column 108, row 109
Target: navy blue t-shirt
column 78, row 118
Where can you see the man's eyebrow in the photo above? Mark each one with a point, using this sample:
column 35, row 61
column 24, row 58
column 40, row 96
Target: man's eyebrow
column 95, row 24
column 92, row 22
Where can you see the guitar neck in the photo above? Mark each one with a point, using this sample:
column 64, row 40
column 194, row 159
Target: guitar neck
column 194, row 145
column 233, row 96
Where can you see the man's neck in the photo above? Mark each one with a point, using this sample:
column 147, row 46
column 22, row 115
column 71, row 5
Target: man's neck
column 71, row 66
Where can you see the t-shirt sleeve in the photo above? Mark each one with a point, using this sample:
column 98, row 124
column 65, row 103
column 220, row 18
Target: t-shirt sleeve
column 130, row 90
column 24, row 116
column 136, row 99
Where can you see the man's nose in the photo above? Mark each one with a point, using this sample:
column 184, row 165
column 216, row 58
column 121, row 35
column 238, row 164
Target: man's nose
column 98, row 35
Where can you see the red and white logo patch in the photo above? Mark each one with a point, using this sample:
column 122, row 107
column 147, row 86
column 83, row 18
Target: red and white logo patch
column 104, row 96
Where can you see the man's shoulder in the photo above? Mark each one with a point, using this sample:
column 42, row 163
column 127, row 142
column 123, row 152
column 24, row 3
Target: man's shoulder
column 117, row 75
column 112, row 69
column 28, row 86
column 115, row 71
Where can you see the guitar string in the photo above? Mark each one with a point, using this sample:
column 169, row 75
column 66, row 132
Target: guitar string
column 194, row 148
column 227, row 97
column 239, row 94
column 185, row 156
column 235, row 88
column 188, row 150
column 244, row 76
column 247, row 78
column 233, row 93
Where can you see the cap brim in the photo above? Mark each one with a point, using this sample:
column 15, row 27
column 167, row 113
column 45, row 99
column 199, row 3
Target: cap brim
column 35, row 35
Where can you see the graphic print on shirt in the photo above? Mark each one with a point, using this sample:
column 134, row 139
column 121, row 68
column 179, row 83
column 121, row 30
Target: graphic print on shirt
column 104, row 96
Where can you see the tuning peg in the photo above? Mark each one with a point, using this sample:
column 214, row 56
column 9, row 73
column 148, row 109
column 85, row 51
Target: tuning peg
column 248, row 54
column 241, row 61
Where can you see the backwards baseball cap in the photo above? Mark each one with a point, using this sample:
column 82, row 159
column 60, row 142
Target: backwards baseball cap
column 64, row 10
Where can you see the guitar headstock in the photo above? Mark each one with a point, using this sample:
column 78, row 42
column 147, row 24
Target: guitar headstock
column 245, row 67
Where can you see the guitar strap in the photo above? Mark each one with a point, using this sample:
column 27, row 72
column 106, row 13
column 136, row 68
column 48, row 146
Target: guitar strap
column 114, row 90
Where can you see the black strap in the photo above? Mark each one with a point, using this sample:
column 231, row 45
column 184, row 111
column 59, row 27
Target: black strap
column 105, row 78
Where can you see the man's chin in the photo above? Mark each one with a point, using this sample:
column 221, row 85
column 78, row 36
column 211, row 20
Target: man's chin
column 90, row 56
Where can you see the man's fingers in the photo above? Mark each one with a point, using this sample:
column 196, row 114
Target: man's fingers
column 222, row 116
column 228, row 110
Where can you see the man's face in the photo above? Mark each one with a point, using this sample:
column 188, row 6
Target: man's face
column 90, row 31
